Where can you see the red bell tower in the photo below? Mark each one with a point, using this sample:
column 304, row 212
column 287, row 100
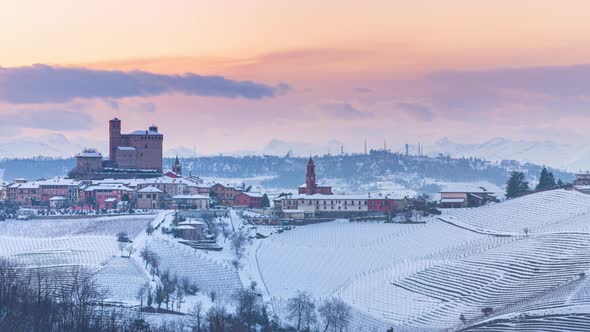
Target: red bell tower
column 310, row 177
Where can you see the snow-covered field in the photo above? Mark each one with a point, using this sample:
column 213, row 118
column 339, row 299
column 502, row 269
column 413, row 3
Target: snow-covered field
column 427, row 276
column 83, row 242
column 525, row 259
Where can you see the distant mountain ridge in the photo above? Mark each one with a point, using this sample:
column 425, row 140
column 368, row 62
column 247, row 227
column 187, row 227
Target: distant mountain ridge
column 564, row 156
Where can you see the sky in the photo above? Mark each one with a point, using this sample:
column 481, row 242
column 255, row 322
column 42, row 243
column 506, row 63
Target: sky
column 226, row 76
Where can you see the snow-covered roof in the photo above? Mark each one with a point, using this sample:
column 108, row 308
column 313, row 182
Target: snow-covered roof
column 191, row 222
column 191, row 197
column 345, row 197
column 149, row 189
column 28, row 185
column 293, row 211
column 58, row 181
column 327, row 197
column 126, row 148
column 144, row 132
column 89, row 155
column 184, row 227
column 465, row 189
column 110, row 200
column 257, row 195
column 107, row 186
column 57, row 198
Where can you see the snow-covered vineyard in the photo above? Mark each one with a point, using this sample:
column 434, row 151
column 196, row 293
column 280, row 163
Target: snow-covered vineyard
column 517, row 265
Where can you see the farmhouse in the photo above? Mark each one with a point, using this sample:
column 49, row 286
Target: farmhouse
column 465, row 197
column 247, row 199
column 224, row 195
column 149, row 198
column 190, row 230
column 191, row 202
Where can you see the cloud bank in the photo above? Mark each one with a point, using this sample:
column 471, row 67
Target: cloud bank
column 47, row 84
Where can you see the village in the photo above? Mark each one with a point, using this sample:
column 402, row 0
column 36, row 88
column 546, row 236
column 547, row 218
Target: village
column 132, row 178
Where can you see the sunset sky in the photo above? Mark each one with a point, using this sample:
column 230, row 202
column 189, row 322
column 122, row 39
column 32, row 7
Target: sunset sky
column 227, row 76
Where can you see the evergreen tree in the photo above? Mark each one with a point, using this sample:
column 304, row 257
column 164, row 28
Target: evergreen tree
column 265, row 201
column 516, row 185
column 546, row 181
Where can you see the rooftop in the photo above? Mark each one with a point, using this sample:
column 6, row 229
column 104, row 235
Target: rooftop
column 144, row 132
column 149, row 189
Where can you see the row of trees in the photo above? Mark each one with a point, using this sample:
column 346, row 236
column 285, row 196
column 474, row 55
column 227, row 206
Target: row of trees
column 56, row 300
column 69, row 300
column 517, row 184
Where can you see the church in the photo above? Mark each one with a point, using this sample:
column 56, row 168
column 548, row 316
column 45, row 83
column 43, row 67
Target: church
column 310, row 187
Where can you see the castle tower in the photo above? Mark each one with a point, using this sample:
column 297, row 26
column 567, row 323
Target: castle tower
column 114, row 138
column 177, row 167
column 310, row 177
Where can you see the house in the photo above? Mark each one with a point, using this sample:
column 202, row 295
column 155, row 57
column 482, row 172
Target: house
column 465, row 197
column 387, row 203
column 190, row 230
column 224, row 195
column 106, row 195
column 250, row 200
column 582, row 179
column 199, row 202
column 149, row 198
column 3, row 191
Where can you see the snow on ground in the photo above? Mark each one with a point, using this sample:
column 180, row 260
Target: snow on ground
column 107, row 226
column 547, row 211
column 425, row 276
column 121, row 278
column 208, row 274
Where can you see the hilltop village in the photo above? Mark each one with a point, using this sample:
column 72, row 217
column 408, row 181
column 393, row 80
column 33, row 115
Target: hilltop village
column 132, row 177
column 167, row 246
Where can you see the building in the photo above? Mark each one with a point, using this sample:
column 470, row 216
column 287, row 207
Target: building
column 250, row 200
column 310, row 187
column 343, row 205
column 190, row 230
column 149, row 198
column 88, row 161
column 3, row 190
column 105, row 195
column 465, row 197
column 387, row 203
column 141, row 149
column 57, row 202
column 177, row 167
column 582, row 179
column 224, row 195
column 199, row 202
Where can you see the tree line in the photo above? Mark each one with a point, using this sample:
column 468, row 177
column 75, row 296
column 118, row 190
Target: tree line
column 517, row 184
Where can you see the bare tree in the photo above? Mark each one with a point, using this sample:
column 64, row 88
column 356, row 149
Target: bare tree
column 248, row 306
column 142, row 292
column 129, row 249
column 301, row 311
column 196, row 316
column 238, row 242
column 335, row 315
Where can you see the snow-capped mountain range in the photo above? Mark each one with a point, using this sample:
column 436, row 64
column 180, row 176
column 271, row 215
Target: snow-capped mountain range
column 564, row 156
column 569, row 157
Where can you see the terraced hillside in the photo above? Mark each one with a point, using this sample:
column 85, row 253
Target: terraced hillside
column 446, row 273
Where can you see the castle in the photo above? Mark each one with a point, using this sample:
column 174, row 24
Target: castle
column 137, row 154
column 141, row 149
